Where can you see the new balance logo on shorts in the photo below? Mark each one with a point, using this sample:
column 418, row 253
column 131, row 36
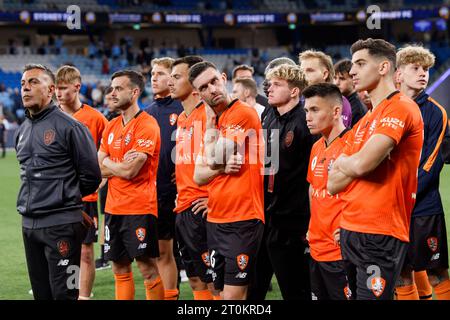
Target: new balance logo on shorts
column 63, row 248
column 142, row 246
column 241, row 275
column 435, row 256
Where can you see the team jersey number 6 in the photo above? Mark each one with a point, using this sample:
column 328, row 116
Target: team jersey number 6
column 212, row 259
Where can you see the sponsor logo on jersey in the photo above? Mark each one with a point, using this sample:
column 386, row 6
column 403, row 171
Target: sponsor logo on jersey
column 145, row 143
column 394, row 123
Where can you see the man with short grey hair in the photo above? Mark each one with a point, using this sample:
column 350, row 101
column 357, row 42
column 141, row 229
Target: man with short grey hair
column 58, row 166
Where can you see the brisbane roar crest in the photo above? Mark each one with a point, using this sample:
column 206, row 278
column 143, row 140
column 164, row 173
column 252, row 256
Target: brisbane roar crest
column 347, row 292
column 205, row 258
column 432, row 243
column 49, row 136
column 173, row 119
column 378, row 285
column 140, row 234
column 288, row 139
column 242, row 261
column 63, row 248
column 127, row 138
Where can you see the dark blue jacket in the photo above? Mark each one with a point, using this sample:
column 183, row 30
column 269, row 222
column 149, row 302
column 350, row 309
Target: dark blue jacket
column 166, row 111
column 428, row 201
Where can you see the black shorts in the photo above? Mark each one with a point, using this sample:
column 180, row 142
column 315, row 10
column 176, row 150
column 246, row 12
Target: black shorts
column 92, row 210
column 53, row 258
column 233, row 248
column 190, row 232
column 428, row 247
column 377, row 260
column 130, row 236
column 329, row 281
column 166, row 218
column 102, row 194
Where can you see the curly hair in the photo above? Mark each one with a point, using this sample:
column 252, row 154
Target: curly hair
column 415, row 54
column 292, row 74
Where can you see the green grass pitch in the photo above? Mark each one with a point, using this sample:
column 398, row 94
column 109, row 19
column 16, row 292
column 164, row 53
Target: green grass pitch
column 14, row 282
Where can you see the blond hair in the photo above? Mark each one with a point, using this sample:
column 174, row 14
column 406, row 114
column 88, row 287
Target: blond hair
column 292, row 74
column 166, row 62
column 415, row 54
column 324, row 60
column 68, row 74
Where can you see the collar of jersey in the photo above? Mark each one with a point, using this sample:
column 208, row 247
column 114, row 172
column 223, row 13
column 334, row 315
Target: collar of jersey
column 227, row 108
column 287, row 114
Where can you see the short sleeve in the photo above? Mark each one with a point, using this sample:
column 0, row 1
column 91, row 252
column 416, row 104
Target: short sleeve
column 146, row 139
column 241, row 123
column 309, row 176
column 101, row 125
column 104, row 143
column 348, row 138
column 395, row 121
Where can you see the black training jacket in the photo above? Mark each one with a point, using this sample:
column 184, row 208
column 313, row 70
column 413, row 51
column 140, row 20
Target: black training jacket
column 286, row 192
column 58, row 166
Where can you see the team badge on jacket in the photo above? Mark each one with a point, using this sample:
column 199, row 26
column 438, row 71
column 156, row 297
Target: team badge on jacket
column 289, row 138
column 49, row 136
column 173, row 119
